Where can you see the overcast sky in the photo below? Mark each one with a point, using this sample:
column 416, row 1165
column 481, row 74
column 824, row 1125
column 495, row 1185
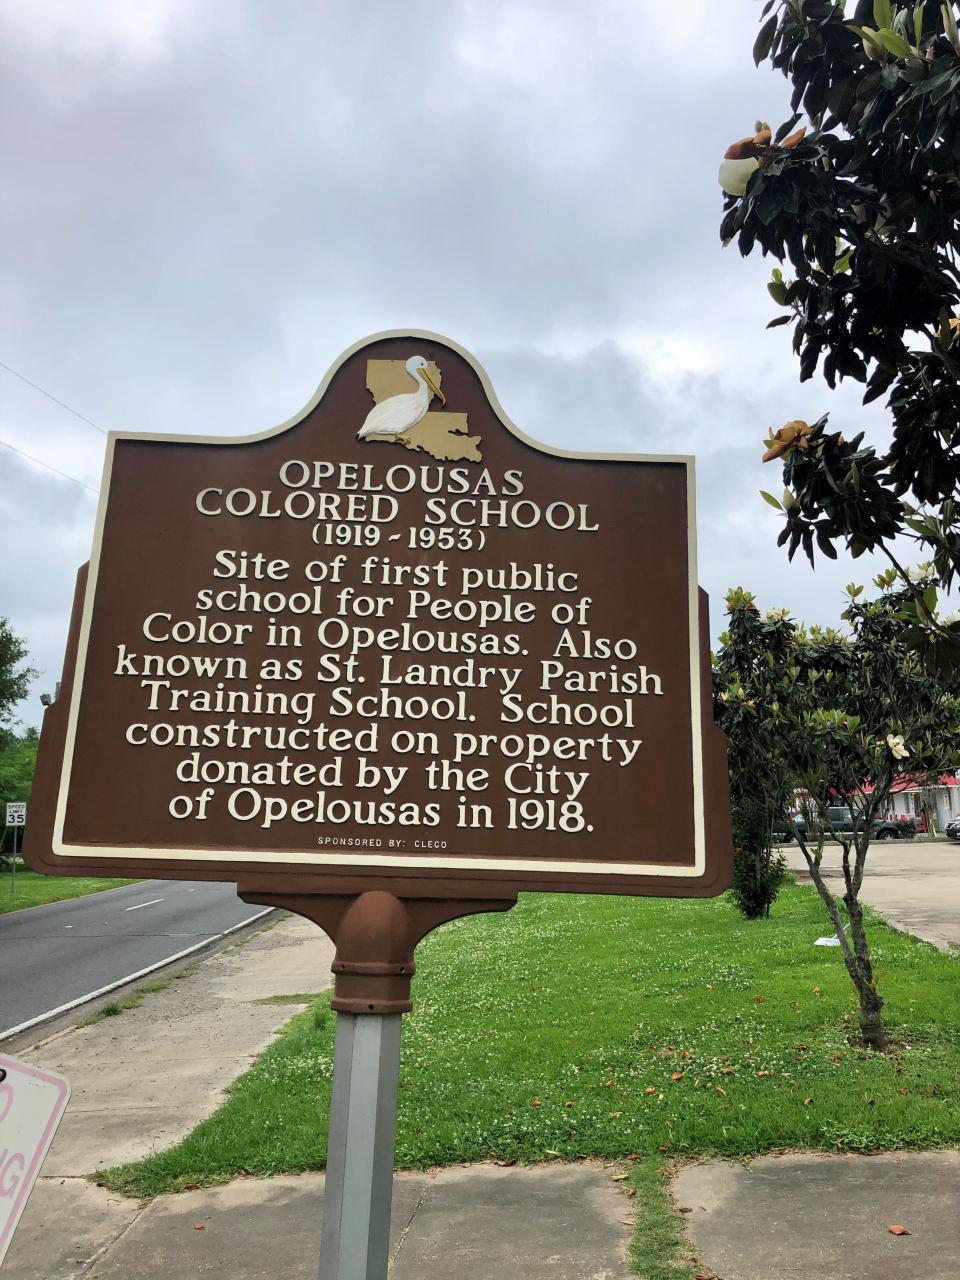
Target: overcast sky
column 204, row 204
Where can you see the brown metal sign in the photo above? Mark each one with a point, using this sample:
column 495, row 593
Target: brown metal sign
column 392, row 644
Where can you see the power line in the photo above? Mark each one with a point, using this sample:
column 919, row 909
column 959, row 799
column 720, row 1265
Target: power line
column 31, row 458
column 61, row 403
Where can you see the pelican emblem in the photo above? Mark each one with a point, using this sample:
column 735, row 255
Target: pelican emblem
column 396, row 415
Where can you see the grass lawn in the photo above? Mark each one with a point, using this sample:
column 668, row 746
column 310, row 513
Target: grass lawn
column 35, row 890
column 576, row 1026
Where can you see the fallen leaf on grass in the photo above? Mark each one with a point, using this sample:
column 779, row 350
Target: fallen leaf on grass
column 726, row 1071
column 808, row 1102
column 818, row 991
column 801, row 1047
column 650, row 1090
column 759, row 999
column 721, row 1091
column 631, row 1191
column 506, row 1164
column 763, row 1073
column 614, row 1115
column 903, row 1091
column 618, row 1177
column 535, row 1102
column 664, row 1146
column 677, row 1075
column 569, row 1103
column 897, row 1230
column 198, row 1226
column 607, row 1083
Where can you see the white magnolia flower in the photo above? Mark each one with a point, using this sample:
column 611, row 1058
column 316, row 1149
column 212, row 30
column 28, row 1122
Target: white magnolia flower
column 922, row 572
column 897, row 748
column 776, row 615
column 735, row 174
column 949, row 619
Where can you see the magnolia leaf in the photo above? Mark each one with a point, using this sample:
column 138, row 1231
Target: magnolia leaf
column 764, row 41
column 893, row 43
column 882, row 12
column 768, row 497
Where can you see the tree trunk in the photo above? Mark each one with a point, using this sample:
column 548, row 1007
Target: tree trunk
column 861, row 971
column 856, row 955
column 871, row 1020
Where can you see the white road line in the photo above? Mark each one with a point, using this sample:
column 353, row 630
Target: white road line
column 131, row 977
column 151, row 903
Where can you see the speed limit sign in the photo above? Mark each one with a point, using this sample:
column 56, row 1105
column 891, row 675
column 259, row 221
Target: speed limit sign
column 17, row 814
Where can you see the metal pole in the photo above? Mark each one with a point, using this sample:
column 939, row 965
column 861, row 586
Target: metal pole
column 355, row 1243
column 13, row 886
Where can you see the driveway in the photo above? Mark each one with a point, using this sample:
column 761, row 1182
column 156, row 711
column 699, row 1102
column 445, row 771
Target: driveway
column 914, row 883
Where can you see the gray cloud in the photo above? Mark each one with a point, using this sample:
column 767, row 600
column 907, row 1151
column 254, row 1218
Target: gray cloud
column 209, row 202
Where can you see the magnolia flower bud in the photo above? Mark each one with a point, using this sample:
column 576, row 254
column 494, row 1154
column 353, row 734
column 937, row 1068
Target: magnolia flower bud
column 735, row 174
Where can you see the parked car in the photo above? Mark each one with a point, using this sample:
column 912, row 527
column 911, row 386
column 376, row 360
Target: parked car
column 952, row 829
column 840, row 821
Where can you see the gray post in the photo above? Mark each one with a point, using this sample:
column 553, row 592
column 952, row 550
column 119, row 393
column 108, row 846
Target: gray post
column 13, row 883
column 355, row 1243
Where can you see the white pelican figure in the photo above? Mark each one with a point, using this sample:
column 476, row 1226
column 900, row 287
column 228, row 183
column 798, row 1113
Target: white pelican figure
column 397, row 414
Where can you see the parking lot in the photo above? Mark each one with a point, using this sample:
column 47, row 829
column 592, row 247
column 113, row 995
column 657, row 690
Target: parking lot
column 914, row 883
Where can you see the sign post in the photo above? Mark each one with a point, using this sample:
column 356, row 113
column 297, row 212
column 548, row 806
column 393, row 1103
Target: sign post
column 16, row 818
column 363, row 1119
column 391, row 663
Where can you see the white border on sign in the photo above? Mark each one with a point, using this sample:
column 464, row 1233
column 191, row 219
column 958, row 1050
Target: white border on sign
column 381, row 861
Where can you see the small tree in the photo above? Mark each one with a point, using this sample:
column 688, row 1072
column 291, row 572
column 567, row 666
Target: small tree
column 762, row 781
column 842, row 716
column 758, row 872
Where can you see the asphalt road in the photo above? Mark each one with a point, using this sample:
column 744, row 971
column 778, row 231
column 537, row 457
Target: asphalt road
column 50, row 956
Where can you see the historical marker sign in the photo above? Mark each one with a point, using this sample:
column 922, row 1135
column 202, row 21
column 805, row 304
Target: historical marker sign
column 32, row 1103
column 392, row 641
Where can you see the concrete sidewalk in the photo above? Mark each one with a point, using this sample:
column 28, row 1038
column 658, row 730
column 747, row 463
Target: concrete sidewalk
column 143, row 1079
column 801, row 1217
column 552, row 1222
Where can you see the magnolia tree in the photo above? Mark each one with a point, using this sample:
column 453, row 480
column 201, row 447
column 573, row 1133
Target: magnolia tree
column 860, row 207
column 839, row 716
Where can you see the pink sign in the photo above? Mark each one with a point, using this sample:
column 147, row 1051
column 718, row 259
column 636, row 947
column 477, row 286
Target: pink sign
column 32, row 1103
